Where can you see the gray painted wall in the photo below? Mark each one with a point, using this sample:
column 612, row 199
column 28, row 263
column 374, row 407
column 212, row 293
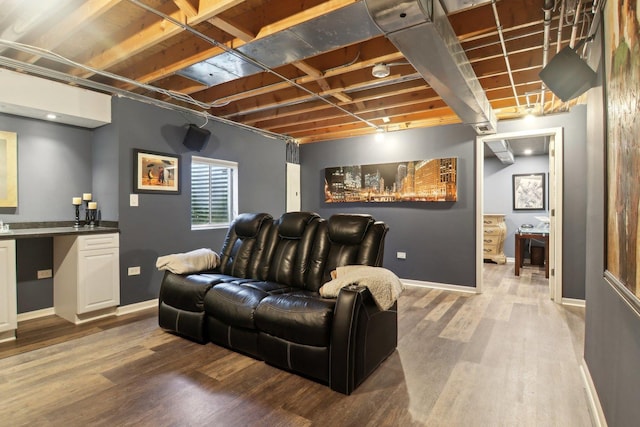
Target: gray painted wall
column 612, row 328
column 54, row 165
column 443, row 235
column 161, row 224
column 575, row 191
column 105, row 176
column 439, row 238
column 57, row 162
column 498, row 193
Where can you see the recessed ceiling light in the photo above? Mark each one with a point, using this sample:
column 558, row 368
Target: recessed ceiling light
column 51, row 116
column 528, row 151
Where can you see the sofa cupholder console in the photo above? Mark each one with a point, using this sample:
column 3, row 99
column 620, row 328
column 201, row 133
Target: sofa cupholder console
column 263, row 299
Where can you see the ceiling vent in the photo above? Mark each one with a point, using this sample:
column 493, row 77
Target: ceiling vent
column 421, row 31
column 502, row 150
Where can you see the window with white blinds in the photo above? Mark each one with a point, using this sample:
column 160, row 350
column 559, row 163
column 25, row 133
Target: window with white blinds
column 214, row 192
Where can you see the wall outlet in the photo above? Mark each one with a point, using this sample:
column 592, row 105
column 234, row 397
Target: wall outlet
column 45, row 274
column 133, row 271
column 401, row 255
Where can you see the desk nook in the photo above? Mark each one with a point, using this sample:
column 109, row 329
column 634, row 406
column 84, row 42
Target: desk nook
column 86, row 276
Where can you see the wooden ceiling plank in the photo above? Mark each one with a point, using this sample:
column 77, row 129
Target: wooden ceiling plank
column 188, row 7
column 232, row 28
column 155, row 70
column 307, row 69
column 155, row 31
column 84, row 15
column 371, row 113
column 306, row 15
column 228, row 92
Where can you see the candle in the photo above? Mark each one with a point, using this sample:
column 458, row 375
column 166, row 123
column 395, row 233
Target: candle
column 76, row 201
column 93, row 205
column 86, row 196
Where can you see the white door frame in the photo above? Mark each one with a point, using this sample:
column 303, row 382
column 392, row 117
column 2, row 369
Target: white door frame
column 556, row 148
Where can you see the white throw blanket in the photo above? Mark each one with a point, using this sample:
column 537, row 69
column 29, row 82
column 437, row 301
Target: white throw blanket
column 189, row 262
column 384, row 285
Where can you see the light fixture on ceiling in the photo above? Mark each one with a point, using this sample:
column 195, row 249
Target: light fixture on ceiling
column 379, row 134
column 51, row 116
column 380, row 71
column 528, row 152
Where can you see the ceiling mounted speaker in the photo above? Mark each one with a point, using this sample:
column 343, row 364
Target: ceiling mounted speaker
column 567, row 75
column 196, row 138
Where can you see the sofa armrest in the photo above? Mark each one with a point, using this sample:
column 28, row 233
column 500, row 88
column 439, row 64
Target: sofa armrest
column 362, row 337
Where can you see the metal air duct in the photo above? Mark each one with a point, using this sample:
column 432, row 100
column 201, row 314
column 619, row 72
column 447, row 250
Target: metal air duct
column 421, row 30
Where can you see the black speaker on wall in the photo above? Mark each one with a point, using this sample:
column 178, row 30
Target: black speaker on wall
column 567, row 75
column 196, row 138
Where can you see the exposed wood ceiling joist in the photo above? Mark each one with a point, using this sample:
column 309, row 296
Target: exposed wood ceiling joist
column 324, row 95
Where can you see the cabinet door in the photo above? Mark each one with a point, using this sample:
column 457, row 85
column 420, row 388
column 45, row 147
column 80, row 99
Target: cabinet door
column 8, row 306
column 98, row 279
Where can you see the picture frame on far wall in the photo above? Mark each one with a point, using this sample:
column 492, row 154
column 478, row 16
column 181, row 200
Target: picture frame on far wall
column 155, row 173
column 8, row 170
column 529, row 192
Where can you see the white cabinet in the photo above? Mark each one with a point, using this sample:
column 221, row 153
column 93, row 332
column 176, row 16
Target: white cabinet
column 8, row 308
column 87, row 276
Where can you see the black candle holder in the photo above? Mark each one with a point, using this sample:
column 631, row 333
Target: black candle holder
column 91, row 217
column 86, row 212
column 76, row 224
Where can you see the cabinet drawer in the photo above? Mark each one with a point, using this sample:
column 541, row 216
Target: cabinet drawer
column 98, row 241
column 492, row 231
column 490, row 250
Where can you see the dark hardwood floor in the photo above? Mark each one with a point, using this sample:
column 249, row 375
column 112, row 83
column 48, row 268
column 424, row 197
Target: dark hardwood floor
column 507, row 357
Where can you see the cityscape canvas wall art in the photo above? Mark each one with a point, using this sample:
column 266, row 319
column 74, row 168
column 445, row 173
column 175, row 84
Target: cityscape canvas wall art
column 432, row 180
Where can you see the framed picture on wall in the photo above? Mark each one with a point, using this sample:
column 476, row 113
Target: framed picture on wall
column 528, row 192
column 622, row 68
column 8, row 170
column 155, row 172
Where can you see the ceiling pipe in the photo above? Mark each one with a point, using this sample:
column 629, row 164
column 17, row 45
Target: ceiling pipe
column 574, row 28
column 547, row 7
column 558, row 46
column 504, row 51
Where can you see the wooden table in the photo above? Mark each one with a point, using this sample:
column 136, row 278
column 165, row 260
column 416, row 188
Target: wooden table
column 521, row 236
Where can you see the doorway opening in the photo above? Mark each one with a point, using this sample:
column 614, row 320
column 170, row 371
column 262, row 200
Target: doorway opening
column 555, row 152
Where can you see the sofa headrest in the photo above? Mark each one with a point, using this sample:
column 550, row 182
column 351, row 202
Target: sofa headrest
column 348, row 229
column 293, row 224
column 248, row 224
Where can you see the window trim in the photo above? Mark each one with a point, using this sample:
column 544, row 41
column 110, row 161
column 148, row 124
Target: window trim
column 234, row 190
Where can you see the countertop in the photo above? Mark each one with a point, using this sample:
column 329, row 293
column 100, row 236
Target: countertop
column 23, row 233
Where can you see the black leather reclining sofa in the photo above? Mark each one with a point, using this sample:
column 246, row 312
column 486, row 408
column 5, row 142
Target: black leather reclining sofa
column 263, row 299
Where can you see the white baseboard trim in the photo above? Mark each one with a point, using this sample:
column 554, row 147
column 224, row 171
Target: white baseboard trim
column 125, row 309
column 29, row 315
column 573, row 302
column 597, row 414
column 139, row 306
column 442, row 286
